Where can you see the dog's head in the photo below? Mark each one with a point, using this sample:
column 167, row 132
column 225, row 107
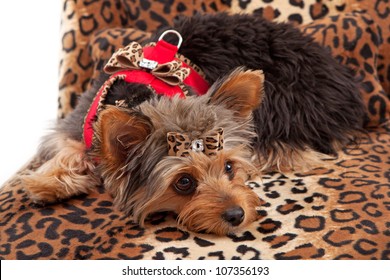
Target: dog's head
column 206, row 190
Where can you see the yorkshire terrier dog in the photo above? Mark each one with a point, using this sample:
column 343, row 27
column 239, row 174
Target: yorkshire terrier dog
column 161, row 139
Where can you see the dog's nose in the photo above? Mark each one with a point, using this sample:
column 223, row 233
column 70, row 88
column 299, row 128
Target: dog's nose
column 234, row 215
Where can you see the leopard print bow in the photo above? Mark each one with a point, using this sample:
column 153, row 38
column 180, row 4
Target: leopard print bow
column 132, row 58
column 180, row 144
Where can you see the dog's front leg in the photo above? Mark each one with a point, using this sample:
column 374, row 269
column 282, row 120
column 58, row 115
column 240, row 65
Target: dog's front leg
column 67, row 173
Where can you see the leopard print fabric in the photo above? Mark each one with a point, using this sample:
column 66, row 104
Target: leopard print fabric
column 92, row 36
column 338, row 211
column 180, row 144
column 374, row 49
column 380, row 13
column 356, row 40
column 108, row 25
column 294, row 11
column 301, row 12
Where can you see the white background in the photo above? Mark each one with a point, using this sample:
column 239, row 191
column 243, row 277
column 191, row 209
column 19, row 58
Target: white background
column 113, row 270
column 29, row 59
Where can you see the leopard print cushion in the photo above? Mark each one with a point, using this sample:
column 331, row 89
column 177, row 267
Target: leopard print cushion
column 89, row 39
column 84, row 23
column 294, row 11
column 380, row 13
column 304, row 12
column 109, row 25
column 355, row 39
column 338, row 211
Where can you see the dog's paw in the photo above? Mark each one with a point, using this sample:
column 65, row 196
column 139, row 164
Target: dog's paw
column 40, row 190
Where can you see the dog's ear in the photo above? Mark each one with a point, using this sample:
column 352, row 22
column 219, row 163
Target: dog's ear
column 121, row 132
column 241, row 91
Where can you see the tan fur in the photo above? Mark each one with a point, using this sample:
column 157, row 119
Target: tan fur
column 118, row 133
column 288, row 159
column 66, row 174
column 131, row 152
column 250, row 85
column 202, row 211
column 218, row 193
column 131, row 149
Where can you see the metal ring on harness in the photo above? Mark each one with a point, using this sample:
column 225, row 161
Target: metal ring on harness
column 173, row 32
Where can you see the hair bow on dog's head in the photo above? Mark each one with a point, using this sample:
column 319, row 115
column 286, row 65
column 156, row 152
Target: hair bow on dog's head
column 132, row 58
column 180, row 144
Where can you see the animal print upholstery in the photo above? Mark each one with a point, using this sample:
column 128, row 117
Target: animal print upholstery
column 120, row 21
column 107, row 25
column 356, row 40
column 296, row 11
column 340, row 210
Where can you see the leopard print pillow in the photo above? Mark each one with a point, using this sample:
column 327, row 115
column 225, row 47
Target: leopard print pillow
column 129, row 20
column 356, row 41
column 295, row 11
column 110, row 25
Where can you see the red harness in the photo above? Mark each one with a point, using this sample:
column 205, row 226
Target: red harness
column 162, row 52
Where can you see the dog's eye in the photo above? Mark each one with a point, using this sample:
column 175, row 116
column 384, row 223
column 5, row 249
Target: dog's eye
column 229, row 169
column 185, row 185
